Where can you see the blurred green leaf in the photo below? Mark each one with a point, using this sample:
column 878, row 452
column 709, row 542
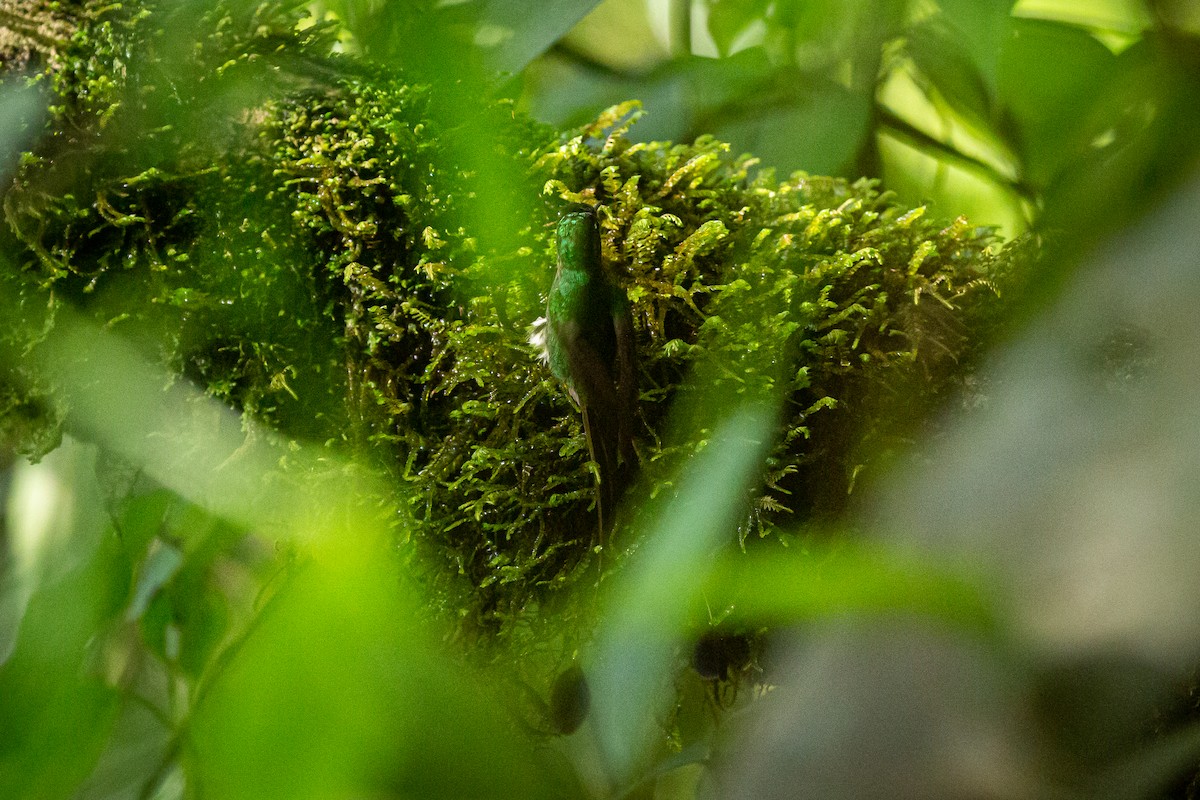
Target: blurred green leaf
column 338, row 691
column 648, row 608
column 511, row 36
column 728, row 19
column 893, row 707
column 56, row 710
column 819, row 129
column 708, row 87
column 1050, row 76
column 141, row 518
column 55, row 725
column 1145, row 129
column 839, row 39
column 187, row 441
column 692, row 92
column 158, row 568
column 788, row 120
column 949, row 66
column 783, row 588
column 135, row 760
column 981, row 27
column 497, row 36
column 821, row 22
column 682, row 97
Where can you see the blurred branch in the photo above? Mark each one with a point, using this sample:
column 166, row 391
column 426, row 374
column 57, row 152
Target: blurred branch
column 891, row 123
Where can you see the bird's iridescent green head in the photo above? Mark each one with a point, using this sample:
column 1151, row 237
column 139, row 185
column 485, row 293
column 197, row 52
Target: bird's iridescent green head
column 578, row 238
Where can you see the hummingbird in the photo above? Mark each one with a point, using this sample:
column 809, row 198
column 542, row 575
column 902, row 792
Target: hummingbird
column 587, row 340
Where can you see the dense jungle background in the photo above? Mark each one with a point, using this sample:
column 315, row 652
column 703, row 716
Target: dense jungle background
column 292, row 507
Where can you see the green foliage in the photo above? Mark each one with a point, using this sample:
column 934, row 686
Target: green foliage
column 336, row 517
column 1006, row 110
column 320, row 278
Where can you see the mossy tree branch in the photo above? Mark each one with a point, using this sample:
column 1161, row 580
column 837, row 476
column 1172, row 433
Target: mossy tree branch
column 320, row 272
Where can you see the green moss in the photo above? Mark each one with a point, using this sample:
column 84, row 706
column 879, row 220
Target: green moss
column 312, row 260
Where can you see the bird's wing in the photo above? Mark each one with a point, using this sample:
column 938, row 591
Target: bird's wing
column 626, row 383
column 594, row 387
column 591, row 377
